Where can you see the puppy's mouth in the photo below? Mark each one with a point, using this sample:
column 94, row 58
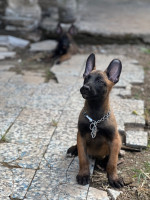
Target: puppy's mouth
column 85, row 96
column 84, row 93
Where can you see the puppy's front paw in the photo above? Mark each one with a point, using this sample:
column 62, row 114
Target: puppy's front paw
column 72, row 151
column 83, row 179
column 116, row 183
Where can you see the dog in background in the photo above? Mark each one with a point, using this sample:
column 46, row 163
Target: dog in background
column 98, row 134
column 66, row 45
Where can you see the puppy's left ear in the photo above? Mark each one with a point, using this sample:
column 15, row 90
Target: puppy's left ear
column 113, row 71
column 59, row 29
column 90, row 65
column 72, row 30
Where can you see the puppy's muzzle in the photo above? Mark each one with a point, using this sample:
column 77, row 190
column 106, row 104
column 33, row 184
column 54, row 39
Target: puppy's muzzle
column 85, row 91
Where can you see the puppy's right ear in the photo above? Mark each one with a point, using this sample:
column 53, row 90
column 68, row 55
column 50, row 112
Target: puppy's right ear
column 113, row 71
column 59, row 29
column 90, row 64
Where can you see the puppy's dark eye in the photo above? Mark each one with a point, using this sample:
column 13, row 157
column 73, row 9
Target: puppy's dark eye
column 99, row 80
column 87, row 78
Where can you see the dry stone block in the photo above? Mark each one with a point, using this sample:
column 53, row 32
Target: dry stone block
column 47, row 45
column 137, row 139
column 8, row 54
column 95, row 194
column 113, row 193
column 12, row 42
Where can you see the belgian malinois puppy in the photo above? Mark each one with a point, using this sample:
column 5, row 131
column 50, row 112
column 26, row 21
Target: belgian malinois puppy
column 98, row 135
column 66, row 45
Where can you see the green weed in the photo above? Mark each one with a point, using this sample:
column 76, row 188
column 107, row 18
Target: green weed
column 54, row 123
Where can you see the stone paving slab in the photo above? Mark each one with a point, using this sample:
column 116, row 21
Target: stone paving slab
column 46, row 45
column 33, row 125
column 49, row 184
column 24, row 156
column 5, row 68
column 137, row 139
column 124, row 110
column 13, row 42
column 33, row 78
column 95, row 194
column 69, row 71
column 8, row 54
column 4, row 77
column 62, row 139
column 131, row 73
column 28, row 138
column 69, row 118
column 49, row 96
column 113, row 193
column 16, row 92
column 14, row 182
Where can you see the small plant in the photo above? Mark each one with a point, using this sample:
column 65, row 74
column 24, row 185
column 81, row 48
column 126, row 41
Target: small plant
column 134, row 112
column 143, row 175
column 3, row 139
column 145, row 50
column 147, row 116
column 49, row 75
column 54, row 123
column 148, row 143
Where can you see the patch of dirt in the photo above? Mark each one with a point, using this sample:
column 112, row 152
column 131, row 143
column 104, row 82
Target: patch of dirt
column 34, row 62
column 136, row 166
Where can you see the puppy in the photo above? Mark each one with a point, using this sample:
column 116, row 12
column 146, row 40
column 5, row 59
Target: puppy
column 66, row 46
column 97, row 128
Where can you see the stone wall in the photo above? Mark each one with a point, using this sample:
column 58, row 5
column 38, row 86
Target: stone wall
column 46, row 4
column 2, row 7
column 3, row 4
column 18, row 17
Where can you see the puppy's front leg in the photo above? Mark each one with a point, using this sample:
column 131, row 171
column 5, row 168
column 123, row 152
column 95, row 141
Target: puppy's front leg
column 111, row 169
column 83, row 176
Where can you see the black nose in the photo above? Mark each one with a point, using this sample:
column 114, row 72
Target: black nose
column 86, row 88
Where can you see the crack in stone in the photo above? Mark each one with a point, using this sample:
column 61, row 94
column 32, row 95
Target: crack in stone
column 1, row 141
column 13, row 184
column 30, row 184
column 11, row 198
column 49, row 166
column 5, row 164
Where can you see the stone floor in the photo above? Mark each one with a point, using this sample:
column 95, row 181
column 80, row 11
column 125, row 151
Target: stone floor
column 38, row 123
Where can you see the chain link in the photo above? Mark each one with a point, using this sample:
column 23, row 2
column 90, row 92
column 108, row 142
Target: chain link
column 93, row 123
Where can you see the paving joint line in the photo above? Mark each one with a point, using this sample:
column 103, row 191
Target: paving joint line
column 12, row 123
column 30, row 183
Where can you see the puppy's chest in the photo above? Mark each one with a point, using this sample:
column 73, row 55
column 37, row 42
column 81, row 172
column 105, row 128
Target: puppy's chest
column 104, row 130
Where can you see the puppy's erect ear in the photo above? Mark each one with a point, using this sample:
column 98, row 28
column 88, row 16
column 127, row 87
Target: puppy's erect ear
column 113, row 71
column 59, row 29
column 72, row 30
column 90, row 64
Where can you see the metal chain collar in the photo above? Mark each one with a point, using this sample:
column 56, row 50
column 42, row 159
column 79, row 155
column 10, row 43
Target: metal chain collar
column 93, row 123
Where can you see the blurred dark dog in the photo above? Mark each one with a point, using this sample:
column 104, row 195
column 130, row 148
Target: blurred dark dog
column 66, row 45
